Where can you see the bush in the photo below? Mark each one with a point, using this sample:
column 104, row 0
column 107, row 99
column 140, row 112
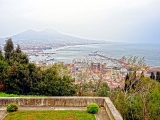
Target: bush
column 92, row 108
column 12, row 107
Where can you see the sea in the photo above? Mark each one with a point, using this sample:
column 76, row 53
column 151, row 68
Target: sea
column 151, row 52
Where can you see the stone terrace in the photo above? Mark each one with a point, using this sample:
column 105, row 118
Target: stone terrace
column 107, row 109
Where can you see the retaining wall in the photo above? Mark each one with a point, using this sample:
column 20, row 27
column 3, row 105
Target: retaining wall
column 63, row 102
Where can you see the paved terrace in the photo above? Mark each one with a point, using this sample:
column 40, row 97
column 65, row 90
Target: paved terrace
column 107, row 109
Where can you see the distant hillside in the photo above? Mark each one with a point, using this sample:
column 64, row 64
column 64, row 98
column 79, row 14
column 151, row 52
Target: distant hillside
column 45, row 35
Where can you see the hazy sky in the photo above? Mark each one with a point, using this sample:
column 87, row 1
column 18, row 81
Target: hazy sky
column 113, row 20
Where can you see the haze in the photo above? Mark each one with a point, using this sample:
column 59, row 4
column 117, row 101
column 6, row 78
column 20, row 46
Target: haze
column 111, row 20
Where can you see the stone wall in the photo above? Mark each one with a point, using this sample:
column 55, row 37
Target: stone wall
column 111, row 110
column 52, row 101
column 63, row 102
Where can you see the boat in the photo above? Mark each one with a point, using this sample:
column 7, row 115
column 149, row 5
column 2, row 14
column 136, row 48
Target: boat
column 49, row 59
column 93, row 53
column 36, row 54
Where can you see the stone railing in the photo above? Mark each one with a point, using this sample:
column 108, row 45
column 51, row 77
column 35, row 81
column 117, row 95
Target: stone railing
column 63, row 102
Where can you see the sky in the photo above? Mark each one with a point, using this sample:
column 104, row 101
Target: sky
column 111, row 20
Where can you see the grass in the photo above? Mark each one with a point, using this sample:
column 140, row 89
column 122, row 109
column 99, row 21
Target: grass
column 50, row 115
column 2, row 94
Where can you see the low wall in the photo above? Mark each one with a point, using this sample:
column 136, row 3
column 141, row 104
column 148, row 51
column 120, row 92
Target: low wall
column 63, row 102
column 51, row 101
column 111, row 110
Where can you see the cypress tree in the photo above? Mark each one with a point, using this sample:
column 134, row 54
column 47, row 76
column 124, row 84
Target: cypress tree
column 0, row 50
column 127, row 83
column 8, row 48
column 18, row 49
column 158, row 76
column 134, row 80
column 142, row 75
column 152, row 75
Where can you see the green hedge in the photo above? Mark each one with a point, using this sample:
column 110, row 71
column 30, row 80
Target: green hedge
column 12, row 107
column 92, row 108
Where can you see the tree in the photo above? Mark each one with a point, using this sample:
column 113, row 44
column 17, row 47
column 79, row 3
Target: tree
column 8, row 48
column 127, row 83
column 134, row 63
column 152, row 75
column 142, row 75
column 18, row 49
column 141, row 103
column 154, row 103
column 158, row 76
column 0, row 50
column 21, row 77
column 56, row 82
column 3, row 67
column 35, row 77
column 18, row 56
column 17, row 80
column 1, row 56
column 103, row 90
column 3, row 73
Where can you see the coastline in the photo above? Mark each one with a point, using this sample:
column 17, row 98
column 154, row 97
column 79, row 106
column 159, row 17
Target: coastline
column 154, row 68
column 68, row 52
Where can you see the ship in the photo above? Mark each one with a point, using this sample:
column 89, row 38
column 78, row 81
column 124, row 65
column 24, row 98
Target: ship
column 93, row 53
column 49, row 59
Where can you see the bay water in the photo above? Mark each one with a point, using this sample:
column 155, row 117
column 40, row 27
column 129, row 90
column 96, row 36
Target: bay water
column 151, row 52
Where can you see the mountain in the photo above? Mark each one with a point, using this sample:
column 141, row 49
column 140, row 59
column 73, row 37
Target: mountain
column 37, row 35
column 45, row 35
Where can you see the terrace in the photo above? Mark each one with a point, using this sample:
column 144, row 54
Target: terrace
column 107, row 109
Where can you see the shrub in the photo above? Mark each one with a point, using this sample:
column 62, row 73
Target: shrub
column 92, row 108
column 12, row 107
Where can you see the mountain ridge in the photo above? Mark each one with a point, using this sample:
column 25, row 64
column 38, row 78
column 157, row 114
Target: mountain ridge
column 50, row 35
column 45, row 34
